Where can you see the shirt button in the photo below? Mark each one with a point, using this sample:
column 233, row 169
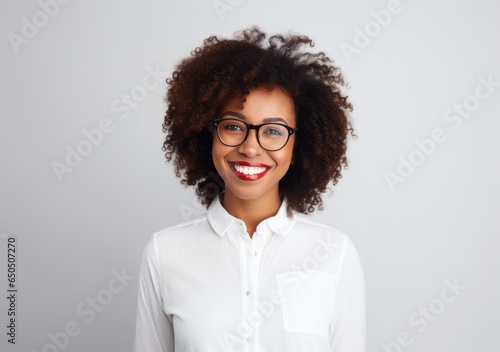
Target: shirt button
column 249, row 340
column 254, row 253
column 248, row 293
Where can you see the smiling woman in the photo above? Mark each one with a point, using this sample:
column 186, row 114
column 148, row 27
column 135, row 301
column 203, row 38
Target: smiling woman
column 252, row 164
column 254, row 272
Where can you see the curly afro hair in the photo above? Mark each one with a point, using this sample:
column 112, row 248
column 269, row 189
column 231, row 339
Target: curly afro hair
column 221, row 68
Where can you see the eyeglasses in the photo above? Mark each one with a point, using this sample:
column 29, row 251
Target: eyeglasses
column 270, row 136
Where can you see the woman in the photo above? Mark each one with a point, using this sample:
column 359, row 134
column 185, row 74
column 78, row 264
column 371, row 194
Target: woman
column 260, row 130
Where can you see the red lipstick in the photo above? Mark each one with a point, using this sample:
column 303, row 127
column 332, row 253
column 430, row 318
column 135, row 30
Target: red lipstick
column 248, row 171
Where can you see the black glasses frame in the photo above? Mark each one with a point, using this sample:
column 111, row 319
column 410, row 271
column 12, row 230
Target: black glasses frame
column 290, row 130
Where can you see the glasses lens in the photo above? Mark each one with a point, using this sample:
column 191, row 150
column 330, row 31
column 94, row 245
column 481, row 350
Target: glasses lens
column 273, row 136
column 231, row 132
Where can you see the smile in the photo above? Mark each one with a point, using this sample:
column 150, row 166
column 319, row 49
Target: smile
column 248, row 171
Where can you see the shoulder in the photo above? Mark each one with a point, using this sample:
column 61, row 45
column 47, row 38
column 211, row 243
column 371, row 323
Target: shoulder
column 305, row 223
column 177, row 235
column 329, row 236
column 183, row 228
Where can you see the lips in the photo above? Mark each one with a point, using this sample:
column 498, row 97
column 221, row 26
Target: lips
column 248, row 171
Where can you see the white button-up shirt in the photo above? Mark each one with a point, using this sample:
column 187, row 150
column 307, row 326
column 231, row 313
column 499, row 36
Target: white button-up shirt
column 206, row 286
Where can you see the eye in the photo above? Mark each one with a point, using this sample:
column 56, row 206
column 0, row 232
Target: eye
column 274, row 130
column 232, row 127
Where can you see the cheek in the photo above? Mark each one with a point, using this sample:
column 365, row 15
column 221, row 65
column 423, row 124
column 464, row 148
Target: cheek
column 286, row 157
column 219, row 151
column 214, row 155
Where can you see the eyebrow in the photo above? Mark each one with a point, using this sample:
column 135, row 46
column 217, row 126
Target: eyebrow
column 267, row 119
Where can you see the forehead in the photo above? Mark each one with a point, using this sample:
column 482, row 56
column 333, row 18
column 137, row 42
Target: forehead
column 261, row 103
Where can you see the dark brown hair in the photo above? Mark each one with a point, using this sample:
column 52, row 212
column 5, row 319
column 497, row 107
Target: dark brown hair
column 221, row 68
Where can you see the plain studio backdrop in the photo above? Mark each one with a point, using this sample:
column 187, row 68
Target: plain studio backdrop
column 84, row 183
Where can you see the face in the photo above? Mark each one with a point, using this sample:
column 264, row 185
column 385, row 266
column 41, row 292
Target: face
column 249, row 171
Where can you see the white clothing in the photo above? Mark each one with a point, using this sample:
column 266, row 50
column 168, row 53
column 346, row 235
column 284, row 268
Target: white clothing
column 206, row 286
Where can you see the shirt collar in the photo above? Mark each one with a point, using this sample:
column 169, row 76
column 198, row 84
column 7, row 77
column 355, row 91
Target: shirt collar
column 221, row 220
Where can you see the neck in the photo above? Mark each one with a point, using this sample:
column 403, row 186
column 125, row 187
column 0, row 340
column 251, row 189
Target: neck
column 251, row 211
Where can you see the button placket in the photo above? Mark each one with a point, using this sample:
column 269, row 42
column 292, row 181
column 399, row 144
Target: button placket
column 257, row 244
column 250, row 249
column 247, row 294
column 252, row 292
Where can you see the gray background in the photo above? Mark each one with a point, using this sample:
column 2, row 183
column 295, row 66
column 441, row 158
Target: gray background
column 440, row 224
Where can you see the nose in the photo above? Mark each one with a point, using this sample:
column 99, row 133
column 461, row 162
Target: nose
column 250, row 147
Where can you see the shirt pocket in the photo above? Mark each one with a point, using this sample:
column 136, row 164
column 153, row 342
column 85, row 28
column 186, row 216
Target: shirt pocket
column 307, row 299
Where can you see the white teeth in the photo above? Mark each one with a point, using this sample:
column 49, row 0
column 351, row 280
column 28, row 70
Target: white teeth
column 249, row 170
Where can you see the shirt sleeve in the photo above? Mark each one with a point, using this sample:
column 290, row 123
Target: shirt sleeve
column 348, row 327
column 154, row 330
